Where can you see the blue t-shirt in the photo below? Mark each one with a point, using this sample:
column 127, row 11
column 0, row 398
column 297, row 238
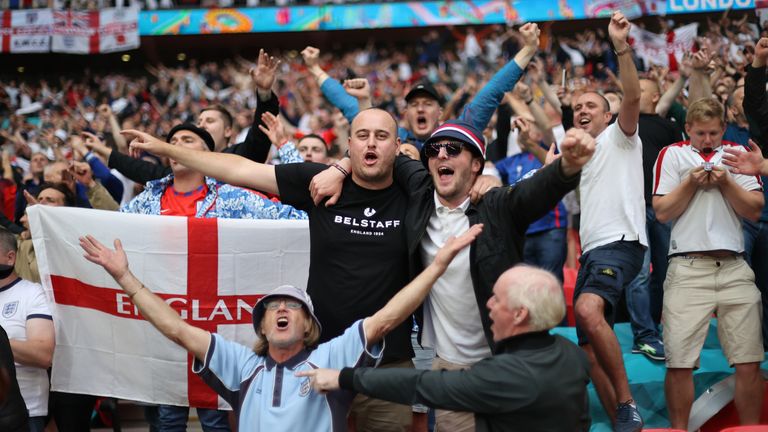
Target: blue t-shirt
column 268, row 397
column 519, row 167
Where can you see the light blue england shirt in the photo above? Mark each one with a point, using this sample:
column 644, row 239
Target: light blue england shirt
column 266, row 396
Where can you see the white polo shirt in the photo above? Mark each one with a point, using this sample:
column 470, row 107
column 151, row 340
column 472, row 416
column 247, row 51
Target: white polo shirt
column 452, row 325
column 20, row 301
column 612, row 200
column 709, row 223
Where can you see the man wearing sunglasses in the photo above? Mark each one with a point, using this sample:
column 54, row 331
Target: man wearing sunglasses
column 260, row 383
column 455, row 321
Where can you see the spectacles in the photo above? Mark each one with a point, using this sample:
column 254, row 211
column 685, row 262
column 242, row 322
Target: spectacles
column 452, row 149
column 275, row 304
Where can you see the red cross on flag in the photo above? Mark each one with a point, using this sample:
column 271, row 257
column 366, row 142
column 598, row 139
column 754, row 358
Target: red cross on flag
column 95, row 32
column 211, row 271
column 663, row 49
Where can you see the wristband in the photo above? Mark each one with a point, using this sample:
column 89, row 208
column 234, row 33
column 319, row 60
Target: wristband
column 131, row 296
column 340, row 168
column 624, row 51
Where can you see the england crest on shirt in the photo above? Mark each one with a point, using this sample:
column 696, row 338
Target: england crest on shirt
column 9, row 309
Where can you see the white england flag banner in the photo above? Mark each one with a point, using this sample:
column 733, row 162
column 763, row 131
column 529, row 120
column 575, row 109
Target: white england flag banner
column 25, row 31
column 95, row 32
column 211, row 271
column 663, row 49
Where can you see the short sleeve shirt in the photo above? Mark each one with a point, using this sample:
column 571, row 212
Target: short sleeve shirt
column 268, row 397
column 21, row 301
column 709, row 222
column 358, row 252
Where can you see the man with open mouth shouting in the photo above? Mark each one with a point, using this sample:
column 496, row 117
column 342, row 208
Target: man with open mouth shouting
column 260, row 384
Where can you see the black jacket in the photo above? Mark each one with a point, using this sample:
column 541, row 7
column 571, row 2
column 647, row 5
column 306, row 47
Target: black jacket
column 756, row 106
column 534, row 382
column 255, row 147
column 505, row 212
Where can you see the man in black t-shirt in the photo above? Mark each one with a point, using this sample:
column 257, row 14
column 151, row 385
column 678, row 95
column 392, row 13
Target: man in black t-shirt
column 359, row 250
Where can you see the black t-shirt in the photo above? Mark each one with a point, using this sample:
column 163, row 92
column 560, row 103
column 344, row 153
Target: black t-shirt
column 13, row 413
column 358, row 254
column 656, row 133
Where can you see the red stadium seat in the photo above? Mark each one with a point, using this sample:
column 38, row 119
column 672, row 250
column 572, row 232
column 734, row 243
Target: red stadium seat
column 751, row 428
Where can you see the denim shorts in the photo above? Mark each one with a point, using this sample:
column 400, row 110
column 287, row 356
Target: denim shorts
column 605, row 271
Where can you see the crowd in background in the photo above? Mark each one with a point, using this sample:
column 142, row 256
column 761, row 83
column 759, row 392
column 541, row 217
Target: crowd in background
column 62, row 129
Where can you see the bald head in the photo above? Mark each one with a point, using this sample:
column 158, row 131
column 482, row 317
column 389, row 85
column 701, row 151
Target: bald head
column 383, row 117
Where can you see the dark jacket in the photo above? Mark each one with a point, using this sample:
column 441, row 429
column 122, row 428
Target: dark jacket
column 255, row 147
column 756, row 106
column 534, row 382
column 506, row 213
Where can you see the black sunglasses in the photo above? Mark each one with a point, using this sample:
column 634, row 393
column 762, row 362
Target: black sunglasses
column 452, row 149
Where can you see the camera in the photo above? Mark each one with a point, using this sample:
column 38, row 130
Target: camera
column 708, row 166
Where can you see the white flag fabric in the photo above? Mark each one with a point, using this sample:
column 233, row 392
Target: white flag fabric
column 25, row 31
column 95, row 32
column 210, row 270
column 663, row 49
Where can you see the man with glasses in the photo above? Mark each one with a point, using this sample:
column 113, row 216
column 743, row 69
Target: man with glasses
column 261, row 383
column 453, row 323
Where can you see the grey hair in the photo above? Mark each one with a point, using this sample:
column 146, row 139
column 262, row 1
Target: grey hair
column 540, row 293
column 7, row 241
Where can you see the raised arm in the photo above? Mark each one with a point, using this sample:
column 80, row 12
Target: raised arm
column 480, row 110
column 152, row 308
column 629, row 111
column 360, row 90
column 331, row 89
column 755, row 98
column 405, row 302
column 256, row 144
column 224, row 167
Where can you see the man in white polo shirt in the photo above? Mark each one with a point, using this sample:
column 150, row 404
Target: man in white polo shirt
column 612, row 231
column 707, row 272
column 26, row 317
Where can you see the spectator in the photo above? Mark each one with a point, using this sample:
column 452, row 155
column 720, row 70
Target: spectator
column 27, row 319
column 286, row 321
column 612, row 232
column 702, row 198
column 531, row 374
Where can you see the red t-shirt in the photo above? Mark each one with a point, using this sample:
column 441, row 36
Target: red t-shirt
column 181, row 204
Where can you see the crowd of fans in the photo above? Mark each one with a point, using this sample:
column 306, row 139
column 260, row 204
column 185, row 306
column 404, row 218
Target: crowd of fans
column 62, row 143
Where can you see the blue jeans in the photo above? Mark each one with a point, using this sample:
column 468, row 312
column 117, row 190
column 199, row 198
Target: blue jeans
column 547, row 249
column 174, row 419
column 645, row 293
column 756, row 255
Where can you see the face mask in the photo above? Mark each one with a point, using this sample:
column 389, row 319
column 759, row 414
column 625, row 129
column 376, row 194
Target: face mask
column 5, row 270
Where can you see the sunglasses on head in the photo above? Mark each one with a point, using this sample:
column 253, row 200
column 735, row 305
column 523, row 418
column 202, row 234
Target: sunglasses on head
column 452, row 148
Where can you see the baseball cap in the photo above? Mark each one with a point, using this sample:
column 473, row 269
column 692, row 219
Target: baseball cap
column 424, row 87
column 202, row 133
column 283, row 291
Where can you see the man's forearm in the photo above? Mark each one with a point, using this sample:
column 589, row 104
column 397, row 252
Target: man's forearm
column 746, row 204
column 403, row 304
column 673, row 204
column 228, row 168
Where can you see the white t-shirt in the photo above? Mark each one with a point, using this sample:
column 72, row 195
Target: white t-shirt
column 20, row 301
column 452, row 323
column 709, row 223
column 612, row 201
